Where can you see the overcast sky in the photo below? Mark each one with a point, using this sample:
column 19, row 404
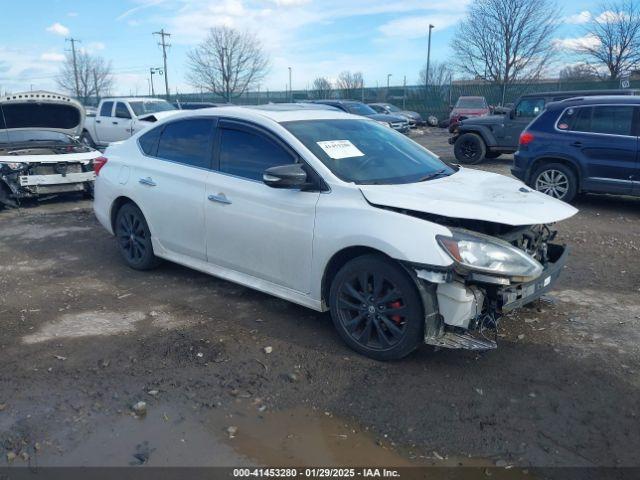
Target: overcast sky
column 314, row 37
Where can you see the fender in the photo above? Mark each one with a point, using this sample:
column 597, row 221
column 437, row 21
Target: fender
column 485, row 132
column 556, row 157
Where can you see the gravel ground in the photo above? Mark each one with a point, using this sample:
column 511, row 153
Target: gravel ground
column 83, row 339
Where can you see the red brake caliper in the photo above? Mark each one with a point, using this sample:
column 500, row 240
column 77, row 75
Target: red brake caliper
column 396, row 318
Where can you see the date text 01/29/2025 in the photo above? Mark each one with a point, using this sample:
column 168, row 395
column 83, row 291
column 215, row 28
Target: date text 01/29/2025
column 315, row 473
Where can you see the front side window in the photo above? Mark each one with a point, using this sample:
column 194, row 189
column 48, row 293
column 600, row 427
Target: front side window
column 247, row 154
column 365, row 152
column 122, row 111
column 530, row 107
column 188, row 142
column 105, row 109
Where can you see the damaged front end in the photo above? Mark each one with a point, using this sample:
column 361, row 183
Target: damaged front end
column 496, row 269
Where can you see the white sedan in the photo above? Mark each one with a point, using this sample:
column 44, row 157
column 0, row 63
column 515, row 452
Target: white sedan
column 334, row 212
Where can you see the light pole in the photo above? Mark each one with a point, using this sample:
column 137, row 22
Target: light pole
column 290, row 90
column 426, row 80
column 389, row 75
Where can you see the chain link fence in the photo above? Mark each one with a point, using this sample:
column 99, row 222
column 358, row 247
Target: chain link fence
column 433, row 100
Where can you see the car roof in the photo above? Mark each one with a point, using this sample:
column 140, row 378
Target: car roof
column 329, row 102
column 596, row 100
column 263, row 112
column 582, row 93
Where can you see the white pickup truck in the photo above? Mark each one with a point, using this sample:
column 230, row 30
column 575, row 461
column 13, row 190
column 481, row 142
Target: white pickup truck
column 119, row 118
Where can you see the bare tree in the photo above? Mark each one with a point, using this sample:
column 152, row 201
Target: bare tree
column 94, row 76
column 505, row 41
column 227, row 62
column 579, row 72
column 351, row 84
column 321, row 88
column 439, row 74
column 612, row 38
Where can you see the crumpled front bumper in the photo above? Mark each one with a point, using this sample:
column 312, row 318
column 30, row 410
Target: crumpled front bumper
column 517, row 296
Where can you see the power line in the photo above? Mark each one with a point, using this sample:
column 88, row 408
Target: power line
column 164, row 46
column 75, row 63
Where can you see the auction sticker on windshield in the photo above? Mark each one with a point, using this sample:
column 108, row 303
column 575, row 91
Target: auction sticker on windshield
column 338, row 149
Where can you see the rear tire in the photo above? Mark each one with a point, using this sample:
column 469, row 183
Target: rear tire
column 470, row 149
column 556, row 180
column 134, row 238
column 376, row 308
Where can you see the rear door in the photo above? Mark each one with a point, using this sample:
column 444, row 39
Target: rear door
column 171, row 182
column 604, row 140
column 103, row 121
column 252, row 228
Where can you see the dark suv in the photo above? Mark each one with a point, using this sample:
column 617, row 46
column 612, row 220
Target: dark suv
column 582, row 145
column 488, row 137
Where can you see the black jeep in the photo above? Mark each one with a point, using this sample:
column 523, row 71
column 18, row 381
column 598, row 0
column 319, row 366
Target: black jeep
column 478, row 138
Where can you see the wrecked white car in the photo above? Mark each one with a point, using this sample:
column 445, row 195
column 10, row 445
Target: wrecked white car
column 40, row 154
column 334, row 212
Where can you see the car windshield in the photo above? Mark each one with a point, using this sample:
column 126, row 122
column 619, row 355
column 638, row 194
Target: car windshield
column 146, row 106
column 471, row 103
column 365, row 152
column 392, row 108
column 360, row 109
column 32, row 136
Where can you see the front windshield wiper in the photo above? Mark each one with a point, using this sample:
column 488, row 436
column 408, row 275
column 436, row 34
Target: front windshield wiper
column 433, row 175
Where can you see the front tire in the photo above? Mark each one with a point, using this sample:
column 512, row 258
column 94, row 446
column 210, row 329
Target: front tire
column 376, row 308
column 134, row 238
column 556, row 180
column 470, row 149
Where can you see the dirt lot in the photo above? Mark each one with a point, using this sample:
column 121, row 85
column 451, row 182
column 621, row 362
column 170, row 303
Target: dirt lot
column 83, row 339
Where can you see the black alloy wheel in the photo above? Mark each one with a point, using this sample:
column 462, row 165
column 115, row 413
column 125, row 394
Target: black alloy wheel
column 134, row 238
column 376, row 308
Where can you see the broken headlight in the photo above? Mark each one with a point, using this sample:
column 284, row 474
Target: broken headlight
column 481, row 253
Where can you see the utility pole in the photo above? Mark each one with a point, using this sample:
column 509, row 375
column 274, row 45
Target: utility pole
column 389, row 75
column 426, row 80
column 75, row 63
column 95, row 86
column 290, row 89
column 164, row 46
column 404, row 92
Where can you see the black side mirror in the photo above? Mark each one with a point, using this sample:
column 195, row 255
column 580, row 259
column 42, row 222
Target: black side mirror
column 512, row 113
column 285, row 176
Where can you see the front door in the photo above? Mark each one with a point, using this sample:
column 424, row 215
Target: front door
column 171, row 185
column 522, row 115
column 252, row 228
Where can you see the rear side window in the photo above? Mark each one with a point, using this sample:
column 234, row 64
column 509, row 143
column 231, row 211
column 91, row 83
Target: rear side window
column 530, row 107
column 605, row 119
column 188, row 142
column 149, row 141
column 248, row 155
column 105, row 109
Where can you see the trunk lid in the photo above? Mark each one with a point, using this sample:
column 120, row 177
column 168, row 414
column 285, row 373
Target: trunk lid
column 473, row 195
column 40, row 110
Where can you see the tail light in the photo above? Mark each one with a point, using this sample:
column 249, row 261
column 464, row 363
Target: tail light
column 526, row 138
column 98, row 163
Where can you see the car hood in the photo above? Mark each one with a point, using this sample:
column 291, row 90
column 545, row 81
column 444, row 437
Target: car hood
column 485, row 120
column 42, row 110
column 383, row 117
column 473, row 195
column 154, row 117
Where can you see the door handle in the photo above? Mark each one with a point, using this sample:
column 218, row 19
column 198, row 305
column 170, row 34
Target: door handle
column 220, row 198
column 98, row 121
column 576, row 144
column 115, row 123
column 147, row 181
